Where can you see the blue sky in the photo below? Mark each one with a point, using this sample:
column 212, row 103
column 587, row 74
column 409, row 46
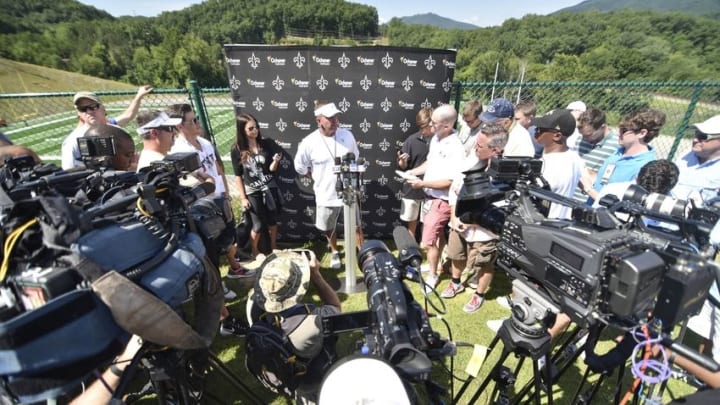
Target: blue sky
column 480, row 13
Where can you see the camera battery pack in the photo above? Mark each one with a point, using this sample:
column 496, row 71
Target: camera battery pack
column 682, row 295
column 37, row 286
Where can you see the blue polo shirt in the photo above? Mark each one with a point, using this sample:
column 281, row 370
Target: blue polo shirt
column 617, row 167
column 694, row 177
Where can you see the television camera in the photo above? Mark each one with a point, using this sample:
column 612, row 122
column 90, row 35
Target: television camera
column 650, row 267
column 121, row 263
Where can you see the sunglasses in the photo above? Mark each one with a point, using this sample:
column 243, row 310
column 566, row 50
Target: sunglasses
column 625, row 129
column 702, row 136
column 90, row 107
column 194, row 121
column 539, row 131
column 167, row 129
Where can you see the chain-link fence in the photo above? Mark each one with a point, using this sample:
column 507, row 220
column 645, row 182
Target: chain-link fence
column 684, row 103
column 42, row 121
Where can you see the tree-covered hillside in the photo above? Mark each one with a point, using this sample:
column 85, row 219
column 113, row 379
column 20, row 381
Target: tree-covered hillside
column 176, row 46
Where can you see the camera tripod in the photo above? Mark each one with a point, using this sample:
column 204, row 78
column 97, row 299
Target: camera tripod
column 178, row 377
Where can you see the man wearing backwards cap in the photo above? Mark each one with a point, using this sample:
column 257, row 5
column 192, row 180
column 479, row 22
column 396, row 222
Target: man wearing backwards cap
column 91, row 111
column 315, row 157
column 280, row 286
column 561, row 167
column 157, row 131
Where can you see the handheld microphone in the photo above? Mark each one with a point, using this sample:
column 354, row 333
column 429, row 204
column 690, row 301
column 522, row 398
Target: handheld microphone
column 409, row 251
column 337, row 169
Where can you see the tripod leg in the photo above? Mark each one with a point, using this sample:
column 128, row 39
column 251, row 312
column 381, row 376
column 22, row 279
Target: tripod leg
column 470, row 379
column 233, row 379
column 487, row 379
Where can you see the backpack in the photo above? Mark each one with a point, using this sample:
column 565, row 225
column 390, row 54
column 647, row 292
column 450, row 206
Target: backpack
column 275, row 361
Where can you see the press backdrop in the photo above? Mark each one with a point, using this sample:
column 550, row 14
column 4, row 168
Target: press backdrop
column 379, row 90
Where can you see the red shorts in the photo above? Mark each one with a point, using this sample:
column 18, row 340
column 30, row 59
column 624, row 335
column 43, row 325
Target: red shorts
column 434, row 221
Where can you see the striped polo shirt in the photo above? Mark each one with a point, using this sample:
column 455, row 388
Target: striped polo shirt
column 594, row 155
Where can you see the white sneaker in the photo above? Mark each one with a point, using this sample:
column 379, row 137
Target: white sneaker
column 495, row 324
column 228, row 293
column 504, row 302
column 430, row 282
column 335, row 262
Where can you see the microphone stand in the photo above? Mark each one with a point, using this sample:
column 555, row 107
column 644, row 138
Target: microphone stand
column 352, row 190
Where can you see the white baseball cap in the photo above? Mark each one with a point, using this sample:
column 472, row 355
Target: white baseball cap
column 328, row 110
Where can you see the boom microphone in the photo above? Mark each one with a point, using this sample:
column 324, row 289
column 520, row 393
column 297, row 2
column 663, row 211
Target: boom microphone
column 409, row 251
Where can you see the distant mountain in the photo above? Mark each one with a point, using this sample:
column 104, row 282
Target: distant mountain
column 437, row 21
column 706, row 8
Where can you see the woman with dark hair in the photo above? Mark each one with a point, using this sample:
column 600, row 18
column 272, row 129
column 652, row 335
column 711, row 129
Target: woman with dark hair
column 254, row 161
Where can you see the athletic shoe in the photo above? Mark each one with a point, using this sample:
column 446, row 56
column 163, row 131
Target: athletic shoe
column 430, row 282
column 228, row 293
column 240, row 272
column 335, row 262
column 495, row 324
column 504, row 302
column 232, row 326
column 452, row 290
column 474, row 304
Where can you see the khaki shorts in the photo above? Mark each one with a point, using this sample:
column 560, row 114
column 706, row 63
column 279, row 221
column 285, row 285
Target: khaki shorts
column 479, row 255
column 326, row 217
column 410, row 209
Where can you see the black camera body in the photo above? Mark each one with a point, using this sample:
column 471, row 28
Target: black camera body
column 595, row 267
column 400, row 330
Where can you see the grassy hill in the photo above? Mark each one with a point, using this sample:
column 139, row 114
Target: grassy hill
column 17, row 77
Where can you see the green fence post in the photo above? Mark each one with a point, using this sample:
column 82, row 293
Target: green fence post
column 686, row 120
column 458, row 90
column 200, row 111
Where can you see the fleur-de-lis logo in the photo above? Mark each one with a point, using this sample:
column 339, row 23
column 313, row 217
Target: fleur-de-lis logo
column 254, row 61
column 278, row 83
column 399, row 195
column 430, row 63
column 284, row 163
column 258, row 104
column 380, row 211
column 384, row 145
column 363, row 199
column 387, row 60
column 291, row 224
column 447, row 85
column 344, row 105
column 288, row 195
column 405, row 125
column 322, row 83
column 299, row 60
column 235, row 83
column 396, row 222
column 386, row 105
column 305, row 181
column 378, row 234
column 365, row 125
column 309, row 211
column 310, row 236
column 344, row 61
column 382, row 180
column 365, row 83
column 301, row 104
column 407, row 83
column 281, row 125
column 426, row 104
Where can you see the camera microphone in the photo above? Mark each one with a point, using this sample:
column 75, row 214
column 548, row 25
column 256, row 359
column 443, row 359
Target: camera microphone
column 409, row 251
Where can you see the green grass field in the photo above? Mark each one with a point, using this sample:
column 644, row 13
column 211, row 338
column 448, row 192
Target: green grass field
column 463, row 327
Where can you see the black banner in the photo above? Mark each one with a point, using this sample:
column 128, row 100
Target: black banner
column 379, row 90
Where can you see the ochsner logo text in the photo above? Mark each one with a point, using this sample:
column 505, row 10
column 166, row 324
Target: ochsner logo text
column 346, row 84
column 256, row 84
column 303, row 84
column 427, row 85
column 231, row 61
column 276, row 61
column 365, row 105
column 301, row 125
column 321, row 61
column 279, row 105
column 385, row 126
column 408, row 62
column 366, row 61
column 406, row 106
column 388, row 84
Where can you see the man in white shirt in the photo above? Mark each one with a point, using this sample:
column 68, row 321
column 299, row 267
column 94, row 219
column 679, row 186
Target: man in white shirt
column 157, row 131
column 91, row 111
column 470, row 127
column 315, row 158
column 561, row 167
column 441, row 167
column 501, row 111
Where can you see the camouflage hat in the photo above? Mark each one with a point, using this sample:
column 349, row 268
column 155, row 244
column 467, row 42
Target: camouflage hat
column 281, row 282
